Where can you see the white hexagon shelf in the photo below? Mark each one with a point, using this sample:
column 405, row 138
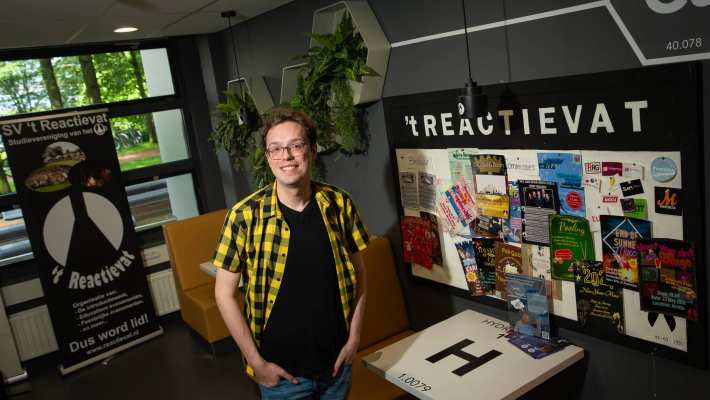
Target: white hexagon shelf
column 256, row 86
column 289, row 81
column 326, row 19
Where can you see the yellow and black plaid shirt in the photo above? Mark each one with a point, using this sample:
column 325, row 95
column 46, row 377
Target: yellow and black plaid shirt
column 255, row 239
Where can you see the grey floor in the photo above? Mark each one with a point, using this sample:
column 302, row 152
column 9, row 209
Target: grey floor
column 175, row 366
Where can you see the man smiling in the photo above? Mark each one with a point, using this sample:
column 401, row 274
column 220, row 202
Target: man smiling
column 297, row 242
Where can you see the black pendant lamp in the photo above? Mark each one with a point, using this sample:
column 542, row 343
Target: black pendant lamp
column 472, row 100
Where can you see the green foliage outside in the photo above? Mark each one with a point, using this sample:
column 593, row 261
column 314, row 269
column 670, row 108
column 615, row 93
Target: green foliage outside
column 139, row 163
column 33, row 85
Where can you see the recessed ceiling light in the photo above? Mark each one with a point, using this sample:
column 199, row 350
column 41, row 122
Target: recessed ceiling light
column 125, row 29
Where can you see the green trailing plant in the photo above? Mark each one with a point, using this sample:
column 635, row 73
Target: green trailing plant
column 237, row 133
column 238, row 122
column 324, row 90
column 260, row 171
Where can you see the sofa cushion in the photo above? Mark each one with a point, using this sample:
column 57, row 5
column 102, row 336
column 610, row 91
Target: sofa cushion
column 385, row 313
column 190, row 242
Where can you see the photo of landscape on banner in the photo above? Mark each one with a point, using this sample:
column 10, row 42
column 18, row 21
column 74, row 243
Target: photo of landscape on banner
column 79, row 224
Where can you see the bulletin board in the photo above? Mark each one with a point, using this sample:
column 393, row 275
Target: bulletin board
column 625, row 119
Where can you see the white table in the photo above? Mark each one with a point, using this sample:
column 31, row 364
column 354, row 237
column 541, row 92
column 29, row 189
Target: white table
column 507, row 375
column 209, row 268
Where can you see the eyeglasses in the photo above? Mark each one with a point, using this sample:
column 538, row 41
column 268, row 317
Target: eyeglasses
column 295, row 149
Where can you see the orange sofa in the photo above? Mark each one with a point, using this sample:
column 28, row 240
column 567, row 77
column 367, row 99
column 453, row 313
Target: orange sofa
column 190, row 242
column 385, row 320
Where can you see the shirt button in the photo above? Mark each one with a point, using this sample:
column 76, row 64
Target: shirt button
column 287, row 229
column 283, row 254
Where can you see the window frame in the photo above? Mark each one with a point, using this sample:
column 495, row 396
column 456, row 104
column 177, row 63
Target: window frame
column 175, row 101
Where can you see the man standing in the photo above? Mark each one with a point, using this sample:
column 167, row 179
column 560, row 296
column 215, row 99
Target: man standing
column 297, row 243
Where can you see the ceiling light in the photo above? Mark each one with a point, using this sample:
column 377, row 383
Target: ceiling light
column 125, row 29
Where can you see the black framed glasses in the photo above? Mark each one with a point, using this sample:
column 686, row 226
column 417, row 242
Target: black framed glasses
column 279, row 152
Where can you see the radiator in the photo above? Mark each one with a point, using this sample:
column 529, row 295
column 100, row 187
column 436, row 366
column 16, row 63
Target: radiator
column 34, row 335
column 33, row 332
column 162, row 288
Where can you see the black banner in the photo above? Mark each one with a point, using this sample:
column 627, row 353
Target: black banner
column 75, row 207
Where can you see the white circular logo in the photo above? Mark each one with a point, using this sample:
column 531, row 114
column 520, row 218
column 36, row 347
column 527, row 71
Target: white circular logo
column 60, row 221
column 462, row 109
column 100, row 129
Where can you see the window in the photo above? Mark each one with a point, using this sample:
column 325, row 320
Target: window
column 147, row 122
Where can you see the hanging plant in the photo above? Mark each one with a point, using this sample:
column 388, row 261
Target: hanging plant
column 237, row 133
column 324, row 87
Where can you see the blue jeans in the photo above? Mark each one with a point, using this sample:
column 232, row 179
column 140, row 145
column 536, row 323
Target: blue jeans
column 327, row 388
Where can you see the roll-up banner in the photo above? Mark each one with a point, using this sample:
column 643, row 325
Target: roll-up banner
column 75, row 207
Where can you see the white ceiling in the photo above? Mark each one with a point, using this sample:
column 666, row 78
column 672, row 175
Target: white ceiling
column 39, row 23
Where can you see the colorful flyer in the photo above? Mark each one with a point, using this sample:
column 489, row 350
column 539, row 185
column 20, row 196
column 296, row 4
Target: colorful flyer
column 631, row 188
column 667, row 281
column 416, row 241
column 460, row 165
column 570, row 240
column 489, row 227
column 612, row 168
column 536, row 263
column 427, row 191
column 635, row 208
column 536, row 347
column 485, row 250
column 408, row 190
column 600, row 306
column 514, row 224
column 493, row 205
column 668, row 200
column 446, row 212
column 522, row 164
column 572, row 201
column 562, row 168
column 619, row 248
column 465, row 202
column 457, row 207
column 436, row 255
column 508, row 261
column 528, row 309
column 538, row 200
column 467, row 255
column 489, row 174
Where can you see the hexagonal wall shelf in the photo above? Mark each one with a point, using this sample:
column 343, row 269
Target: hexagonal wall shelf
column 256, row 86
column 326, row 19
column 289, row 81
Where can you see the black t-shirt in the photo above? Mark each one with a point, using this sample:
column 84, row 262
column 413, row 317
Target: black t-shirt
column 306, row 329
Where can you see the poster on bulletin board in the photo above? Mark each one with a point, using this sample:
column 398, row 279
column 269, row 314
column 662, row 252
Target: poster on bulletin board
column 616, row 153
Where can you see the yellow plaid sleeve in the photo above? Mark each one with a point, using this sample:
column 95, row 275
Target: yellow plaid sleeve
column 357, row 236
column 230, row 251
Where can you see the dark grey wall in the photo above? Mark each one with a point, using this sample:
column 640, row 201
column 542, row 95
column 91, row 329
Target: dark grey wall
column 583, row 42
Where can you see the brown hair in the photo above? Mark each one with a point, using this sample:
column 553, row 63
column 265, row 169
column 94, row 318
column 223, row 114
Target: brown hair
column 283, row 114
